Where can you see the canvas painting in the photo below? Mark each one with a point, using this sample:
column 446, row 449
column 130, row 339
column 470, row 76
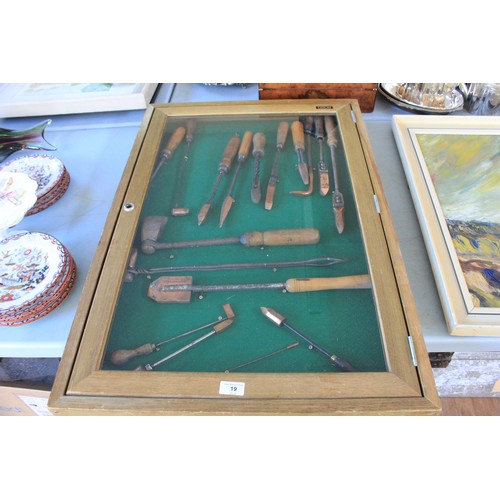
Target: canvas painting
column 452, row 164
column 465, row 173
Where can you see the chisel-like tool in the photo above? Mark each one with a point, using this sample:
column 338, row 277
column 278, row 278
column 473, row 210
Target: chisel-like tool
column 273, row 179
column 280, row 320
column 224, row 167
column 337, row 197
column 324, row 181
column 190, row 127
column 299, row 145
column 242, row 156
column 169, row 149
column 259, row 141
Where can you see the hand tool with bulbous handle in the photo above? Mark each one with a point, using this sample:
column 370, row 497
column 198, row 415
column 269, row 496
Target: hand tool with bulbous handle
column 224, row 167
column 280, row 320
column 168, row 151
column 337, row 197
column 273, row 179
column 242, row 156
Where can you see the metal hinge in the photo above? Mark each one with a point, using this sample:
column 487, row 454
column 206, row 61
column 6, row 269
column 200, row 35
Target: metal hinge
column 377, row 206
column 353, row 116
column 412, row 351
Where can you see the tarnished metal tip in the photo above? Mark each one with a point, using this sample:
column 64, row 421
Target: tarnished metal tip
column 272, row 315
column 202, row 214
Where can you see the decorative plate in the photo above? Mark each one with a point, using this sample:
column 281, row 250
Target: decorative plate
column 17, row 196
column 30, row 263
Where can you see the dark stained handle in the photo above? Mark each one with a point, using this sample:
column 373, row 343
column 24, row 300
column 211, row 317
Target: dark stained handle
column 229, row 154
column 173, row 142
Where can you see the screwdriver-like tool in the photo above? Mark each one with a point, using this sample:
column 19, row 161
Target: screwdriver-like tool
column 242, row 156
column 190, row 127
column 219, row 327
column 299, row 145
column 259, row 141
column 122, row 356
column 308, row 124
column 280, row 320
column 224, row 167
column 337, row 197
column 273, row 179
column 175, row 139
column 324, row 181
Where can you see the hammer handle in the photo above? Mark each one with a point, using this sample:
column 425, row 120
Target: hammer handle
column 316, row 284
column 280, row 237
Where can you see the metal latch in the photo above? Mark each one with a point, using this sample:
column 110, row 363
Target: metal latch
column 412, row 351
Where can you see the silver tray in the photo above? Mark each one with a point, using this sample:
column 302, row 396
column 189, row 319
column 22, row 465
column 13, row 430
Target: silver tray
column 389, row 91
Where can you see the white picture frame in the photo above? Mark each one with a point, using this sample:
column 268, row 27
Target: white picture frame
column 445, row 158
column 42, row 99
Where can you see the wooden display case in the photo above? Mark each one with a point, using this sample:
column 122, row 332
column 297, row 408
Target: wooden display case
column 350, row 341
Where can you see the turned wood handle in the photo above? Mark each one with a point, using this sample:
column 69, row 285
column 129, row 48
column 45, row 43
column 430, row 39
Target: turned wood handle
column 173, row 142
column 330, row 131
column 308, row 125
column 259, row 141
column 121, row 356
column 190, row 128
column 229, row 154
column 316, row 284
column 245, row 146
column 282, row 134
column 307, row 236
column 298, row 135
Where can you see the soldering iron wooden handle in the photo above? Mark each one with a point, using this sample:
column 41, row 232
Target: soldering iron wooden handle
column 279, row 237
column 298, row 135
column 174, row 141
column 316, row 284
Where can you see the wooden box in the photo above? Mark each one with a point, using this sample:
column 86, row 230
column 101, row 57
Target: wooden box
column 365, row 93
column 138, row 346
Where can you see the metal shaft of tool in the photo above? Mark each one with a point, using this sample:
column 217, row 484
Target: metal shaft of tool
column 259, row 141
column 256, row 360
column 221, row 288
column 190, row 127
column 316, row 262
column 150, row 367
column 324, row 181
column 337, row 197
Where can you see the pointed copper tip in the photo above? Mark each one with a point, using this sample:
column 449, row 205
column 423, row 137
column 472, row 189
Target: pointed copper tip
column 202, row 214
column 226, row 206
column 272, row 315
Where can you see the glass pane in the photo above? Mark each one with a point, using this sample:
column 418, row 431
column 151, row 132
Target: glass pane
column 342, row 322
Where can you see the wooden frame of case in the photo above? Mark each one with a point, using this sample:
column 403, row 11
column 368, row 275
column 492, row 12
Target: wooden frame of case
column 407, row 387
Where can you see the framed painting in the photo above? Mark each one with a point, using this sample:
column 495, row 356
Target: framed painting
column 37, row 99
column 452, row 164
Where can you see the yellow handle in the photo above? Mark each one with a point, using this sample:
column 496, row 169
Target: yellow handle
column 279, row 237
column 229, row 153
column 173, row 142
column 121, row 356
column 298, row 135
column 259, row 141
column 281, row 135
column 294, row 285
column 245, row 146
column 330, row 131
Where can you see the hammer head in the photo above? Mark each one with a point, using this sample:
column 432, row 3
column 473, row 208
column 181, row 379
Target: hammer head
column 152, row 227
